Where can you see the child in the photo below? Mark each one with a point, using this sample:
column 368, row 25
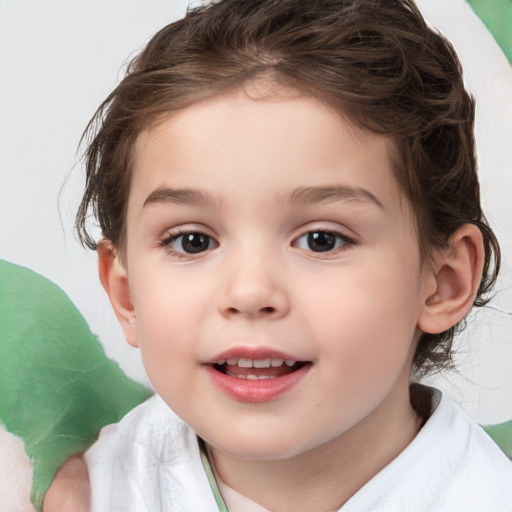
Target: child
column 288, row 197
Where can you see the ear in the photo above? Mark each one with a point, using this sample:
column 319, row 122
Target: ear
column 455, row 277
column 114, row 278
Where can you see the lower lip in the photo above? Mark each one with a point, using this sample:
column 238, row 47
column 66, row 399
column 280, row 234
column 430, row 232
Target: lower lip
column 256, row 391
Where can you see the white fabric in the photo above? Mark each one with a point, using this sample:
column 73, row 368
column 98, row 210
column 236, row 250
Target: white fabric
column 150, row 462
column 451, row 465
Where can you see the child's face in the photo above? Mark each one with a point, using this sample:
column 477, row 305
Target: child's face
column 270, row 230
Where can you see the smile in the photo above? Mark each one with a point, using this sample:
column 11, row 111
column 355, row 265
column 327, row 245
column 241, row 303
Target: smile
column 257, row 377
column 257, row 369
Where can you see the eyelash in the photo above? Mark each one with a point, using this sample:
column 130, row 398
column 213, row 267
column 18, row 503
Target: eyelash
column 167, row 243
column 341, row 242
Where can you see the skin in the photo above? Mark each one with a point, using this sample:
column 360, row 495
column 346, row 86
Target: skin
column 70, row 490
column 268, row 166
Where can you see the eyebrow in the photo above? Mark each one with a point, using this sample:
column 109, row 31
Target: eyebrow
column 301, row 195
column 186, row 196
column 333, row 193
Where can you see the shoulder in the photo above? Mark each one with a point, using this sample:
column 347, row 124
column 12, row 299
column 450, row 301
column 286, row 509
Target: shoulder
column 481, row 471
column 452, row 464
column 123, row 464
column 150, row 457
column 148, row 426
column 462, row 468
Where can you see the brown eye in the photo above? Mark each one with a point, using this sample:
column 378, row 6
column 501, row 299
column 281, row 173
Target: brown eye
column 190, row 243
column 195, row 242
column 322, row 241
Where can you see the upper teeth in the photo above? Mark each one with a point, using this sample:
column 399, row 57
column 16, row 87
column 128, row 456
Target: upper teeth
column 256, row 363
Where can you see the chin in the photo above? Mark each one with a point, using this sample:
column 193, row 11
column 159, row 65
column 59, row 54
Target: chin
column 259, row 446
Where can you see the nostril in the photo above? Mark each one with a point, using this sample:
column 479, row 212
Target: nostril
column 267, row 310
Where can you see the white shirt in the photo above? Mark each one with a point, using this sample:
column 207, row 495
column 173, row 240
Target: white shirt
column 151, row 462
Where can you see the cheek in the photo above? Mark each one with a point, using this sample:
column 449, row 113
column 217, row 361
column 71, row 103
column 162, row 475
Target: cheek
column 168, row 315
column 367, row 320
column 365, row 335
column 167, row 303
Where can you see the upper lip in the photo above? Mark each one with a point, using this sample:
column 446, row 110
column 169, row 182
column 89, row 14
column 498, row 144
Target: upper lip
column 253, row 353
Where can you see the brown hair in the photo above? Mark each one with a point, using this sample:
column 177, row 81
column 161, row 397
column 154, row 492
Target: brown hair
column 374, row 61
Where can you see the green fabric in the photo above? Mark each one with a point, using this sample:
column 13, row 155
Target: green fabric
column 497, row 17
column 502, row 435
column 211, row 478
column 57, row 388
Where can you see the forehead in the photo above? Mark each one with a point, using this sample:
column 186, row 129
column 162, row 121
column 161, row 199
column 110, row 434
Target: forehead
column 277, row 138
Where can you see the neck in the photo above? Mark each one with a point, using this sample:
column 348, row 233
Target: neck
column 325, row 478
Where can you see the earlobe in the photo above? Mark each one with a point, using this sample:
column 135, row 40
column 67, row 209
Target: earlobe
column 456, row 275
column 114, row 278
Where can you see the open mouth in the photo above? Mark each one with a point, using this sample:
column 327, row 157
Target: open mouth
column 261, row 376
column 257, row 369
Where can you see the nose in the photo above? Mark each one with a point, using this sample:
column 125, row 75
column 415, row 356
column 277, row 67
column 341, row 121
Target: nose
column 252, row 288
